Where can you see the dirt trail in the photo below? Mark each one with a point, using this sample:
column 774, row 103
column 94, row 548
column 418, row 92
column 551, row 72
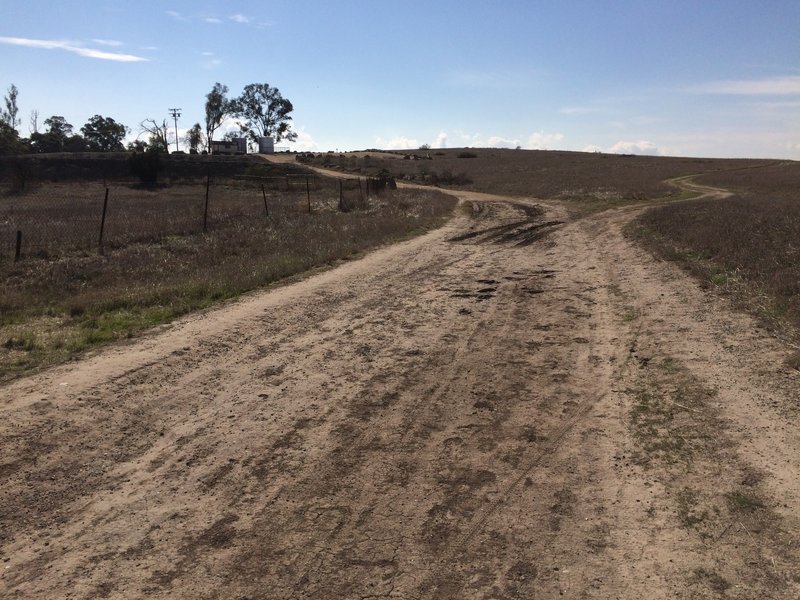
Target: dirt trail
column 458, row 416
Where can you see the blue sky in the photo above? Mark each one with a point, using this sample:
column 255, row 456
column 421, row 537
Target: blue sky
column 688, row 78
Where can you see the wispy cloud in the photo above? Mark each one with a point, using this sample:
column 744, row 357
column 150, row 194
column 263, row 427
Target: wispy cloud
column 238, row 18
column 210, row 60
column 112, row 43
column 71, row 47
column 176, row 15
column 776, row 86
column 579, row 110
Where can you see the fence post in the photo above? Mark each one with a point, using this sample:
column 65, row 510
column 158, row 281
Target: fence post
column 103, row 222
column 341, row 196
column 287, row 184
column 360, row 191
column 264, row 193
column 205, row 211
column 308, row 194
column 18, row 250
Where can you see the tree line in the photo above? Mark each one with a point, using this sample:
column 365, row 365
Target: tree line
column 259, row 111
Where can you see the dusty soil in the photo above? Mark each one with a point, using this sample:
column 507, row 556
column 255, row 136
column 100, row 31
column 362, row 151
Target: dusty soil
column 518, row 405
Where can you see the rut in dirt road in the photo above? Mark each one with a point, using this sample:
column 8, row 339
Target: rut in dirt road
column 445, row 418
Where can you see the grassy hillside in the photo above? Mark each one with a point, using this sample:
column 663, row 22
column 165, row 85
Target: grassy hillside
column 594, row 179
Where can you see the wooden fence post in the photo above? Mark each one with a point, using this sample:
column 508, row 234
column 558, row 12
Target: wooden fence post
column 18, row 250
column 103, row 221
column 360, row 191
column 264, row 194
column 308, row 194
column 341, row 196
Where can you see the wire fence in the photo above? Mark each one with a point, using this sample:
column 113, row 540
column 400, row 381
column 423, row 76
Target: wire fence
column 48, row 219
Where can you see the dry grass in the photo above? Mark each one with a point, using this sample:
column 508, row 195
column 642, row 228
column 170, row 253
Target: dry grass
column 591, row 181
column 745, row 246
column 70, row 299
column 777, row 181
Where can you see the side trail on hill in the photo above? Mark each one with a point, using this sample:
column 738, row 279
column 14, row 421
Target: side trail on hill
column 517, row 405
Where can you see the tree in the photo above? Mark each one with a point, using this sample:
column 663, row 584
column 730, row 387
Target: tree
column 58, row 126
column 217, row 108
column 9, row 115
column 34, row 121
column 265, row 111
column 75, row 143
column 9, row 140
column 159, row 134
column 138, row 146
column 56, row 138
column 104, row 134
column 194, row 137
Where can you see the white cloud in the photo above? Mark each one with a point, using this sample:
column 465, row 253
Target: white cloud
column 71, row 47
column 543, row 141
column 497, row 141
column 175, row 15
column 640, row 147
column 592, row 148
column 777, row 86
column 397, row 143
column 240, row 18
column 212, row 20
column 536, row 141
column 112, row 43
column 440, row 141
column 304, row 141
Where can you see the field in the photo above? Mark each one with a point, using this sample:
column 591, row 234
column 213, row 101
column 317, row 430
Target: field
column 524, row 401
column 745, row 245
column 587, row 181
column 65, row 295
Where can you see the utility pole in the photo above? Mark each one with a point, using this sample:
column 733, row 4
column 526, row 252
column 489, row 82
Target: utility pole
column 175, row 112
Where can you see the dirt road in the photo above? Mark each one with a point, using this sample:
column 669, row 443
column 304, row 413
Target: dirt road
column 514, row 406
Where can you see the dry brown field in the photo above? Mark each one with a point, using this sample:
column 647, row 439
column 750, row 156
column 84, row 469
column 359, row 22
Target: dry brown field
column 528, row 401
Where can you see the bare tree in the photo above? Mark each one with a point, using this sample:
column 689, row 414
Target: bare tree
column 159, row 133
column 33, row 127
